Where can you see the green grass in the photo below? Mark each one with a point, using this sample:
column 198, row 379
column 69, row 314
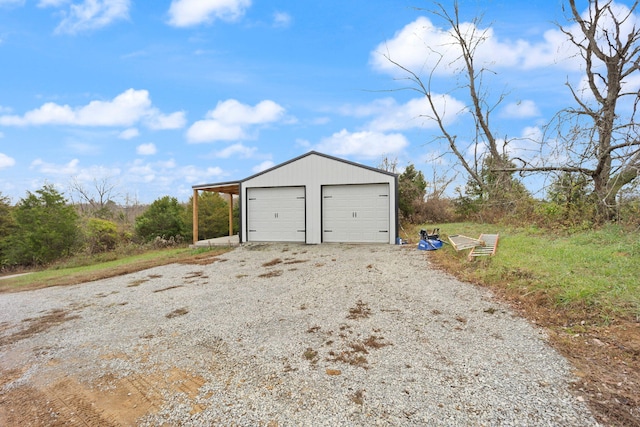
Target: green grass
column 79, row 270
column 595, row 271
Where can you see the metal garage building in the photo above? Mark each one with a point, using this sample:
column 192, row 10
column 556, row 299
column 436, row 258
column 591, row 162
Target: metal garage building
column 312, row 199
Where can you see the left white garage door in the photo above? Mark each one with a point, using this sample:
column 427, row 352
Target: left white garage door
column 276, row 214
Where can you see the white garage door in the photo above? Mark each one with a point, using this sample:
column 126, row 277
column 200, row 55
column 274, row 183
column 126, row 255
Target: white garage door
column 276, row 214
column 355, row 213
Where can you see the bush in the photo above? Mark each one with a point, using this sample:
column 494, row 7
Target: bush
column 46, row 229
column 164, row 217
column 102, row 235
column 7, row 225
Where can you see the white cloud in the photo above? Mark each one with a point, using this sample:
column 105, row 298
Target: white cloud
column 90, row 174
column 281, row 19
column 186, row 13
column 193, row 174
column 70, row 168
column 231, row 120
column 141, row 172
column 88, row 14
column 129, row 133
column 422, row 46
column 267, row 164
column 520, row 110
column 128, row 108
column 165, row 174
column 159, row 121
column 210, row 130
column 146, row 149
column 362, row 144
column 6, row 161
column 235, row 149
column 416, row 113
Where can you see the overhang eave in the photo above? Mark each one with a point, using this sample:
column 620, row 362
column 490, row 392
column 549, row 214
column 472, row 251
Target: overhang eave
column 221, row 187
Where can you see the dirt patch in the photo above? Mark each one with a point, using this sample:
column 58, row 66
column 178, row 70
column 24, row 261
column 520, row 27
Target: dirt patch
column 271, row 263
column 168, row 288
column 177, row 313
column 108, row 402
column 272, row 273
column 39, row 324
column 202, row 260
column 360, row 311
column 607, row 363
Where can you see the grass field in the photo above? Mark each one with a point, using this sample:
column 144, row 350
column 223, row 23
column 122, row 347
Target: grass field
column 593, row 273
column 77, row 271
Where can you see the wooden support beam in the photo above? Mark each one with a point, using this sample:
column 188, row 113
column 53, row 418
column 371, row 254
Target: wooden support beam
column 230, row 214
column 195, row 216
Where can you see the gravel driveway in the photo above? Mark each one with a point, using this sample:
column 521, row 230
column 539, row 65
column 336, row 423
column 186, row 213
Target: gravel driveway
column 279, row 335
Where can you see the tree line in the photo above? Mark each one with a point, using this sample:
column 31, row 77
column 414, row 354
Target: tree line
column 44, row 226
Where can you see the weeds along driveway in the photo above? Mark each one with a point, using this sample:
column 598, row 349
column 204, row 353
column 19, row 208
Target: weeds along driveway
column 279, row 335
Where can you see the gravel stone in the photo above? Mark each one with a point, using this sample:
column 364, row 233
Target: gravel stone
column 331, row 335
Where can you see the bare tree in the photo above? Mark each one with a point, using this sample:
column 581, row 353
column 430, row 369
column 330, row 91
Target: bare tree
column 388, row 164
column 97, row 200
column 599, row 137
column 489, row 151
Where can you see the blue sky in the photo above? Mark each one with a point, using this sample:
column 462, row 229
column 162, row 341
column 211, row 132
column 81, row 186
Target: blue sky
column 157, row 96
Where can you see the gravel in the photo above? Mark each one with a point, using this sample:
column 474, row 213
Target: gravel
column 330, row 335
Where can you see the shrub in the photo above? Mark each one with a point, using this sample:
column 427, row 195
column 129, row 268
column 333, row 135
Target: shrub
column 102, row 235
column 164, row 217
column 46, row 229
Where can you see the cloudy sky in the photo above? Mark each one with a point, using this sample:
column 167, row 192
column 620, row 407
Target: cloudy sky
column 157, row 96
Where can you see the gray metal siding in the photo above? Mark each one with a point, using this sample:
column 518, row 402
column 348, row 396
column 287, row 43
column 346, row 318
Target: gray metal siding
column 313, row 171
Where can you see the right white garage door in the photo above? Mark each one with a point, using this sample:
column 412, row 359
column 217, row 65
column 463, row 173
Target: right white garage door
column 355, row 213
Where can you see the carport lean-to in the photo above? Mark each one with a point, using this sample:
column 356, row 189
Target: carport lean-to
column 229, row 188
column 313, row 198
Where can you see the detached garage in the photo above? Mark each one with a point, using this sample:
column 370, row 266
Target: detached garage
column 314, row 198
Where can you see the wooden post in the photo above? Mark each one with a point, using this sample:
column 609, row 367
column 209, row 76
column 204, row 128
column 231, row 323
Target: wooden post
column 195, row 216
column 230, row 214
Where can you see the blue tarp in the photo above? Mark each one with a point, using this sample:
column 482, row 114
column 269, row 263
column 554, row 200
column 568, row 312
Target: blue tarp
column 429, row 245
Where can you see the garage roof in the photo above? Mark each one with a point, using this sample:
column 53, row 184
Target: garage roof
column 233, row 187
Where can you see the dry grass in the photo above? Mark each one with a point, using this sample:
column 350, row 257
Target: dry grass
column 357, row 397
column 311, row 355
column 135, row 283
column 360, row 311
column 176, row 313
column 168, row 288
column 273, row 262
column 272, row 273
column 375, row 342
column 295, row 261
